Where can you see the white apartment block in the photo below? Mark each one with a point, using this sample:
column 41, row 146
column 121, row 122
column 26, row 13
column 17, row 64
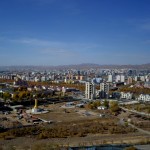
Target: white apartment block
column 144, row 97
column 142, row 78
column 147, row 78
column 117, row 78
column 110, row 78
column 126, row 95
column 43, row 78
column 89, row 90
column 122, row 78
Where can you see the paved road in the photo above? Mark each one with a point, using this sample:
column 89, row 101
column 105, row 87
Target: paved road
column 139, row 129
column 134, row 111
column 133, row 126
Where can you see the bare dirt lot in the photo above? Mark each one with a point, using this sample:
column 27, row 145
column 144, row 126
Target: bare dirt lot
column 59, row 114
column 95, row 130
column 139, row 121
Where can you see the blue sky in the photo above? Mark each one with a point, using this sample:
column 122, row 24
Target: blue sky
column 61, row 32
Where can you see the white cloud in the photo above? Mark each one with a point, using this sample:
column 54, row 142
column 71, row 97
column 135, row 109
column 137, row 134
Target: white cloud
column 48, row 48
column 37, row 42
column 54, row 51
column 55, row 44
column 45, row 47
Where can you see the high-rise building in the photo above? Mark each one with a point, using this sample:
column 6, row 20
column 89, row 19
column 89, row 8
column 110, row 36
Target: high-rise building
column 130, row 80
column 122, row 78
column 110, row 78
column 118, row 79
column 104, row 90
column 132, row 72
column 104, row 87
column 147, row 78
column 89, row 90
column 137, row 78
column 142, row 78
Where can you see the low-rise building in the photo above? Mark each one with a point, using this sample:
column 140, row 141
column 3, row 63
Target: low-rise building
column 144, row 97
column 101, row 107
column 126, row 95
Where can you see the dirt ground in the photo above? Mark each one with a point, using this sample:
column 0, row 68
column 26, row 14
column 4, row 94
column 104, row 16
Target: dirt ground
column 140, row 121
column 9, row 121
column 59, row 114
column 56, row 114
column 26, row 143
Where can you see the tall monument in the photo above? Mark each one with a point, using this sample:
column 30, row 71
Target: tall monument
column 35, row 108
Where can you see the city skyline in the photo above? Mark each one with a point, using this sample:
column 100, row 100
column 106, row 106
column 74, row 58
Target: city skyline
column 55, row 32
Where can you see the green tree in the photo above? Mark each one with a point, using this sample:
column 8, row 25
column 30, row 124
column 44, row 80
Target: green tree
column 22, row 95
column 1, row 94
column 96, row 104
column 106, row 103
column 114, row 107
column 6, row 96
column 15, row 96
column 90, row 106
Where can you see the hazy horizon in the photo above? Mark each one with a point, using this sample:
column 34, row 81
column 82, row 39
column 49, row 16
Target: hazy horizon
column 56, row 32
column 73, row 65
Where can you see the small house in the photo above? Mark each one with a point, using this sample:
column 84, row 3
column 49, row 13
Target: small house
column 101, row 108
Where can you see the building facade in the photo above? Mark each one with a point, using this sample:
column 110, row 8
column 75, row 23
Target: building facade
column 110, row 78
column 90, row 90
column 126, row 95
column 104, row 90
column 144, row 97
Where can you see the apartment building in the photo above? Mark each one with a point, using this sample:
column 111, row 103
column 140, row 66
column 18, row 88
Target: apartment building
column 89, row 90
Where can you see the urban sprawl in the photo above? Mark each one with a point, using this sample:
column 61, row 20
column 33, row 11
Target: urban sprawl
column 95, row 84
column 74, row 103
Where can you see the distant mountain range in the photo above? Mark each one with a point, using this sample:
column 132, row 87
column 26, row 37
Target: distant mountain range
column 76, row 66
